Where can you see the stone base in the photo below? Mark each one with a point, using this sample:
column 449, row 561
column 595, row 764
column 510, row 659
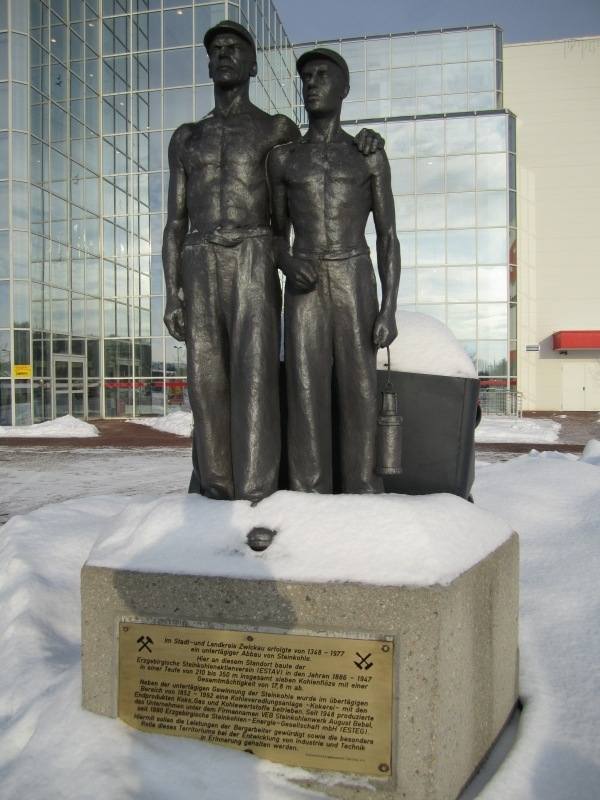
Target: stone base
column 455, row 651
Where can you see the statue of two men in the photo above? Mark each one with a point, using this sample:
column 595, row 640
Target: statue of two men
column 223, row 291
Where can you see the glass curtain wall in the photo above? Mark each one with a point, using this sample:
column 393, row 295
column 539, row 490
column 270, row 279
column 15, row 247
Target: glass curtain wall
column 90, row 93
column 436, row 98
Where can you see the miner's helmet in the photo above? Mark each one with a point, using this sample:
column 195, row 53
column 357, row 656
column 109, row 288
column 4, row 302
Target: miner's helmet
column 323, row 52
column 229, row 26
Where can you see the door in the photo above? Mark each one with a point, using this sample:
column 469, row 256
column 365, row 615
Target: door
column 581, row 386
column 70, row 391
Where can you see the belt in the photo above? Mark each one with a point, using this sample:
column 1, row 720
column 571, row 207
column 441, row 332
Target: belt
column 227, row 237
column 332, row 255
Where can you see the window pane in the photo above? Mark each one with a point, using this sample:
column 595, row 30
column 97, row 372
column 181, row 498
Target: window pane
column 429, row 49
column 460, row 173
column 354, row 54
column 431, row 211
column 455, row 78
column 482, row 77
column 492, row 283
column 460, row 136
column 431, row 248
column 491, row 171
column 491, row 208
column 403, row 82
column 429, row 80
column 461, row 247
column 403, row 51
column 462, row 319
column 454, row 46
column 462, row 286
column 460, row 210
column 492, row 322
column 491, row 133
column 378, row 53
column 430, row 137
column 431, row 285
column 430, row 175
column 178, row 67
column 492, row 246
column 178, row 27
column 400, row 140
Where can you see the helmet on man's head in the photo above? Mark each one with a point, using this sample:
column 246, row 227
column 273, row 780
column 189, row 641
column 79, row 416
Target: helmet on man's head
column 229, row 26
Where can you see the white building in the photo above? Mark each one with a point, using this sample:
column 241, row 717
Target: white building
column 553, row 88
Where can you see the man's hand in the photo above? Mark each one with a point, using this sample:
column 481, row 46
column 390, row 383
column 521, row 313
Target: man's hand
column 300, row 274
column 175, row 318
column 368, row 141
column 385, row 329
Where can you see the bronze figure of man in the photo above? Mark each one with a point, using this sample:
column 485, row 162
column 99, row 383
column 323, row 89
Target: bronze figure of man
column 223, row 292
column 333, row 322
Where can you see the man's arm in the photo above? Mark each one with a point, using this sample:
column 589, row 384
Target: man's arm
column 388, row 249
column 174, row 235
column 300, row 274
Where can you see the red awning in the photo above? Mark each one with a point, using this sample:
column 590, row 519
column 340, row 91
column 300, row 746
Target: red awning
column 576, row 340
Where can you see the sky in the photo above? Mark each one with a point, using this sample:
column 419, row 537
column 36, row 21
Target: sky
column 521, row 20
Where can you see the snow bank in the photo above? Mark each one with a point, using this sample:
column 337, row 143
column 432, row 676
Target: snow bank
column 511, row 430
column 62, row 428
column 177, row 422
column 427, row 346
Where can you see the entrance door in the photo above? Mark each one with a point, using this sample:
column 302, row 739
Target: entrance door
column 581, row 386
column 70, row 391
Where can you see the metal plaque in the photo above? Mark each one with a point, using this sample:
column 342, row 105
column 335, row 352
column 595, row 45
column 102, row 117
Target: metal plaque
column 322, row 702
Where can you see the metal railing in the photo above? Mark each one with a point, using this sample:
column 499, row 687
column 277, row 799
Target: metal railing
column 503, row 402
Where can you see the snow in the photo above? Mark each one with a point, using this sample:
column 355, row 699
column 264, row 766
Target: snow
column 66, row 427
column 426, row 346
column 51, row 747
column 190, row 534
column 177, row 422
column 511, row 429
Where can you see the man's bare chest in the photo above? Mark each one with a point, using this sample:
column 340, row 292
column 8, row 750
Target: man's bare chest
column 225, row 143
column 327, row 165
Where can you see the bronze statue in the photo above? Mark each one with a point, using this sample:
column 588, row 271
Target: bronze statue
column 223, row 292
column 333, row 323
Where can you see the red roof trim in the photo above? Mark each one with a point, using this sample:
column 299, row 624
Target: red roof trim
column 576, row 340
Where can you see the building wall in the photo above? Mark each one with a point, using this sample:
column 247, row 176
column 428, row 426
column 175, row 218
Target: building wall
column 553, row 88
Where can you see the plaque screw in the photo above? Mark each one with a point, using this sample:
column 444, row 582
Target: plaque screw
column 249, row 638
column 384, row 768
column 386, row 648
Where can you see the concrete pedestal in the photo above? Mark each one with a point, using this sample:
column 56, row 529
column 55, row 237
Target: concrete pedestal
column 455, row 648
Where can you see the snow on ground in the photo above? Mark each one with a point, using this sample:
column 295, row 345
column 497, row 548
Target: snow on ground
column 66, row 427
column 493, row 429
column 51, row 747
column 177, row 422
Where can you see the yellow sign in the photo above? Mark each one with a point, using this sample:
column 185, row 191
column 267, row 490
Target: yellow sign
column 22, row 371
column 322, row 702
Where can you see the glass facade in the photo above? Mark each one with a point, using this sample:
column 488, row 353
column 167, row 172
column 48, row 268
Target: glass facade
column 90, row 93
column 436, row 98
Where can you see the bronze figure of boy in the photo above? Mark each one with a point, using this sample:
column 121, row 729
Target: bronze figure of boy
column 333, row 322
